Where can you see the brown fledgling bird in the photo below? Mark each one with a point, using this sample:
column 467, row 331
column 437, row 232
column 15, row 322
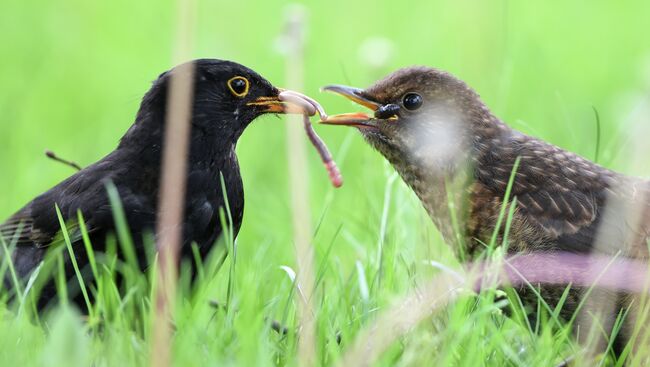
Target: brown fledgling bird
column 458, row 158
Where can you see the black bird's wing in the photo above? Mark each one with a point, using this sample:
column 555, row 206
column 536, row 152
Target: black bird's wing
column 37, row 224
column 19, row 230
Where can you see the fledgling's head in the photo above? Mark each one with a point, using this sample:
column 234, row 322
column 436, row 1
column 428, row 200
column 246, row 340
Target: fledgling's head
column 421, row 116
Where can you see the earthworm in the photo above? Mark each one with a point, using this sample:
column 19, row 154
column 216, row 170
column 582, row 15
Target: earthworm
column 310, row 105
column 309, row 108
column 326, row 157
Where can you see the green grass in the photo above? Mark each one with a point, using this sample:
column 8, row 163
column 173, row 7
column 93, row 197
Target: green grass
column 73, row 72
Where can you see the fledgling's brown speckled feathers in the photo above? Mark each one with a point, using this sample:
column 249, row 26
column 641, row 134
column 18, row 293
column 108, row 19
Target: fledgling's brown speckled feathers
column 560, row 196
column 458, row 158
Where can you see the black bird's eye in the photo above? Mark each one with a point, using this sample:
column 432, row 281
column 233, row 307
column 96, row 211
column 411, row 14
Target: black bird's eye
column 412, row 101
column 238, row 86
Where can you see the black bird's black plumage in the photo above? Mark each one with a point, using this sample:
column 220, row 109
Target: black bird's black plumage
column 219, row 116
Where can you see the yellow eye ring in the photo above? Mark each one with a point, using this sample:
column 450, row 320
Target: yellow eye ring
column 238, row 86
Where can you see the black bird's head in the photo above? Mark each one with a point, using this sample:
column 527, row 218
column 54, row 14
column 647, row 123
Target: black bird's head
column 226, row 97
column 422, row 116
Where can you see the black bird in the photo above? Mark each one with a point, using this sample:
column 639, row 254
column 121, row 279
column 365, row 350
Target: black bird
column 458, row 158
column 227, row 97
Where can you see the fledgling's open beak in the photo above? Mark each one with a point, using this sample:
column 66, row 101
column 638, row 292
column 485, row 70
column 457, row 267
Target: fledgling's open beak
column 357, row 119
column 288, row 102
column 353, row 94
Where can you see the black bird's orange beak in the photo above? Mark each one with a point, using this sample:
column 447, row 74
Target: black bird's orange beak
column 288, row 102
column 357, row 119
column 269, row 104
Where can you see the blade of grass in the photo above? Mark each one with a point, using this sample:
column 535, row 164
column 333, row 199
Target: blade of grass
column 90, row 252
column 122, row 228
column 225, row 216
column 61, row 283
column 597, row 152
column 506, row 198
column 73, row 259
column 383, row 228
column 12, row 270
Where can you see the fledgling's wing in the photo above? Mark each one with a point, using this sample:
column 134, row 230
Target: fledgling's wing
column 558, row 192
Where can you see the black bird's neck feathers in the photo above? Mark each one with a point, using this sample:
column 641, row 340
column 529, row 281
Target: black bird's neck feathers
column 213, row 136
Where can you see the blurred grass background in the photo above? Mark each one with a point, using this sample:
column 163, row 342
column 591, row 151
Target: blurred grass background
column 73, row 72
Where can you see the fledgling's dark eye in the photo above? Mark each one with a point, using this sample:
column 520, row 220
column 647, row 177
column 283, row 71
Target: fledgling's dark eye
column 238, row 86
column 412, row 101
